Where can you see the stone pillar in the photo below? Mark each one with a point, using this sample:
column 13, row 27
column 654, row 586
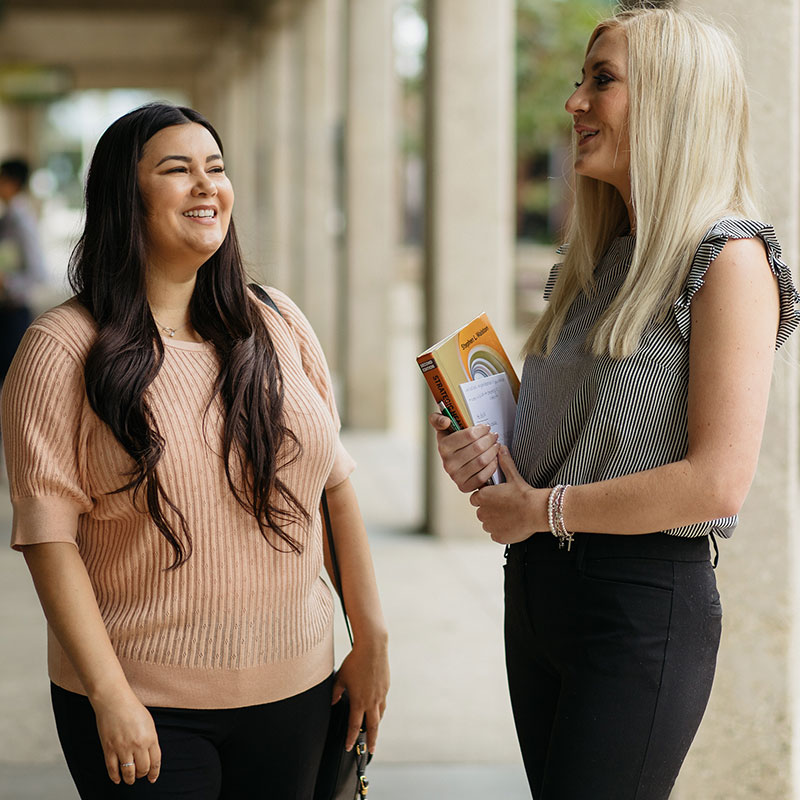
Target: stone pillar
column 230, row 104
column 370, row 164
column 19, row 131
column 261, row 102
column 319, row 221
column 280, row 110
column 747, row 745
column 469, row 218
column 240, row 141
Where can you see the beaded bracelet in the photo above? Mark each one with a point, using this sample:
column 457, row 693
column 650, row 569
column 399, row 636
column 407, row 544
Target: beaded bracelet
column 555, row 516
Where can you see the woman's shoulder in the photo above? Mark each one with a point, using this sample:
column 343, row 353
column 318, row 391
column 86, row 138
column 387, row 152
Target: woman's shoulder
column 281, row 301
column 289, row 328
column 711, row 246
column 735, row 229
column 726, row 228
column 69, row 325
column 287, row 310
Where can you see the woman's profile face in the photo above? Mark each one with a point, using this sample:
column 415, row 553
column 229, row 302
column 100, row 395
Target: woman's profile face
column 187, row 196
column 599, row 108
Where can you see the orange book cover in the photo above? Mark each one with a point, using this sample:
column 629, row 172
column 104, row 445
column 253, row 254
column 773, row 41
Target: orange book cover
column 472, row 352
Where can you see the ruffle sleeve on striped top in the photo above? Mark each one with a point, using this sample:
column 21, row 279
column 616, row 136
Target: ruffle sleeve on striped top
column 555, row 271
column 711, row 247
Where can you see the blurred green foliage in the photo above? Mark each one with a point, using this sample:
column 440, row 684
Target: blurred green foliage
column 550, row 47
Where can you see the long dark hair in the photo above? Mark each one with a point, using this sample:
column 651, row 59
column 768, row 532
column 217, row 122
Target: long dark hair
column 107, row 273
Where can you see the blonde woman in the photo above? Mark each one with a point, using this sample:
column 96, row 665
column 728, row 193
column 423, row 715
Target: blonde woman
column 640, row 417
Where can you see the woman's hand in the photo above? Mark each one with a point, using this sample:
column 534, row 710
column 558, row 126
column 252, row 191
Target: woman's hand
column 513, row 510
column 365, row 676
column 469, row 456
column 126, row 729
column 128, row 736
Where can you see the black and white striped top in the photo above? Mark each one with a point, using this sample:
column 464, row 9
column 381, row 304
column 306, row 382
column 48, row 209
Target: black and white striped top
column 582, row 418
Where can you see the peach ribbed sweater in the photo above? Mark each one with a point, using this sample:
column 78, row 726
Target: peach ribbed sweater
column 239, row 623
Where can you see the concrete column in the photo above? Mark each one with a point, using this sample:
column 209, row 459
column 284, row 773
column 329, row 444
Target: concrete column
column 240, row 141
column 747, row 745
column 19, row 133
column 210, row 91
column 280, row 104
column 259, row 86
column 230, row 105
column 470, row 156
column 370, row 209
column 320, row 222
column 6, row 136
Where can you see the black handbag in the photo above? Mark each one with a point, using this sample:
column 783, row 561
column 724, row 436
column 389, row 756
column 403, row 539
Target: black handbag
column 341, row 775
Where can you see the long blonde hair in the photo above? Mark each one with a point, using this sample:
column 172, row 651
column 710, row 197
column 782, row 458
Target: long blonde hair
column 690, row 165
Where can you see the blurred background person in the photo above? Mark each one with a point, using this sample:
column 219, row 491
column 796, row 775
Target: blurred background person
column 21, row 261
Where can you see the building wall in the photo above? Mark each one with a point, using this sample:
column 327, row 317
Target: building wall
column 746, row 747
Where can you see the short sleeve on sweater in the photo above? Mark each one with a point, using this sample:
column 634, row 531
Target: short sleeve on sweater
column 711, row 246
column 316, row 368
column 43, row 401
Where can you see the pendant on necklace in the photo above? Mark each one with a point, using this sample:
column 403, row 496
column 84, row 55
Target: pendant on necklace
column 169, row 331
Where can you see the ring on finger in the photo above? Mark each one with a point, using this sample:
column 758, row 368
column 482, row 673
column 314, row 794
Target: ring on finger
column 128, row 764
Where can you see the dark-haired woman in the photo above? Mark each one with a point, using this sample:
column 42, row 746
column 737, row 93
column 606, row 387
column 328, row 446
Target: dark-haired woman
column 168, row 437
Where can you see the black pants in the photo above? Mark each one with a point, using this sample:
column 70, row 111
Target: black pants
column 610, row 651
column 265, row 752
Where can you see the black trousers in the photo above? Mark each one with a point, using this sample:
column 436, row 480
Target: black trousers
column 264, row 752
column 610, row 651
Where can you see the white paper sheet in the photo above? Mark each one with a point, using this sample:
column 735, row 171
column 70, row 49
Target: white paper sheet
column 491, row 402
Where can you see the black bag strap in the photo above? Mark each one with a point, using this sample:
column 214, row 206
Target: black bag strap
column 261, row 293
column 264, row 297
column 337, row 577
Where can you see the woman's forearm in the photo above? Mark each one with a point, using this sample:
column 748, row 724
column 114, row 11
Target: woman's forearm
column 355, row 565
column 70, row 606
column 665, row 497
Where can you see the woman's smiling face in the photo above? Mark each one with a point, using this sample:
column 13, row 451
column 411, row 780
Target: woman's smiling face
column 187, row 196
column 599, row 108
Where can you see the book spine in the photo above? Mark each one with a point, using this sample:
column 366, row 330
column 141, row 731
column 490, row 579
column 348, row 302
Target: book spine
column 439, row 389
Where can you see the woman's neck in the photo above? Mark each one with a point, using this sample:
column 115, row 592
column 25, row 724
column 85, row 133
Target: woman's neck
column 169, row 301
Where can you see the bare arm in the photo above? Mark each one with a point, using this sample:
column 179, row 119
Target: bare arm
column 734, row 322
column 125, row 726
column 365, row 671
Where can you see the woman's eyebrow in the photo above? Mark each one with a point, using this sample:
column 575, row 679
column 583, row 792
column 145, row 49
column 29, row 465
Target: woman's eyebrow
column 603, row 64
column 188, row 159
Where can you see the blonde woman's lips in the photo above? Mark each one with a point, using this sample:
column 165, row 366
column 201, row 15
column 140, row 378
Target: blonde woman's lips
column 584, row 134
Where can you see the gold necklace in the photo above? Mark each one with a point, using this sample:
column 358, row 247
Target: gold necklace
column 170, row 331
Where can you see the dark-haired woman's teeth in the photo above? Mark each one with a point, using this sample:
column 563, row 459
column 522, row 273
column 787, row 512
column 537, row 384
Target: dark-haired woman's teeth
column 204, row 212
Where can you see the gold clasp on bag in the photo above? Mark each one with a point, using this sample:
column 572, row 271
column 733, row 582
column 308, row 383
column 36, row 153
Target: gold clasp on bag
column 363, row 786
